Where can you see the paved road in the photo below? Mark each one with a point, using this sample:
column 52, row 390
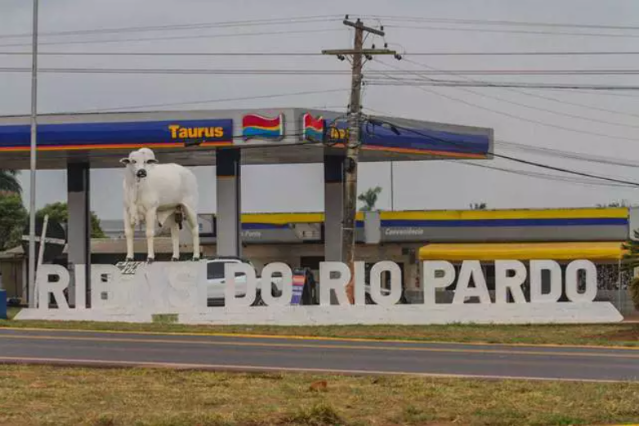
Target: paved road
column 342, row 356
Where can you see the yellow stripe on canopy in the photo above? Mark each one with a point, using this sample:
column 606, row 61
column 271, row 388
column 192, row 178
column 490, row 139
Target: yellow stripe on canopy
column 603, row 251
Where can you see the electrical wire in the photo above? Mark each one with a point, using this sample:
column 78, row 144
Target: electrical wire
column 577, row 104
column 523, row 105
column 518, row 117
column 287, row 71
column 405, row 54
column 180, row 71
column 163, row 53
column 526, row 53
column 379, row 81
column 205, row 101
column 569, row 155
column 507, row 31
column 501, row 22
column 517, row 72
column 173, row 27
column 550, row 152
column 199, row 36
column 545, row 176
column 516, row 159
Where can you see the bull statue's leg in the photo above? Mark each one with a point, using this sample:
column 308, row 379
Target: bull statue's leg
column 150, row 219
column 128, row 233
column 191, row 219
column 175, row 239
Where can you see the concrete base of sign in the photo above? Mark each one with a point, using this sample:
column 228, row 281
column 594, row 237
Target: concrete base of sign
column 555, row 313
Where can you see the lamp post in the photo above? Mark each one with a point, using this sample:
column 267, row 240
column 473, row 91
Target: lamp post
column 34, row 136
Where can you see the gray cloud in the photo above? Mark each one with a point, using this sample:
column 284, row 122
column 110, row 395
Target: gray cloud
column 432, row 185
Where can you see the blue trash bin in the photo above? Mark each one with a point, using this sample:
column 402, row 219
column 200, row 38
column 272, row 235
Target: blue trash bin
column 3, row 304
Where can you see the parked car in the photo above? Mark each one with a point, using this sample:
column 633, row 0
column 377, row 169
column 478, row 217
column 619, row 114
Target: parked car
column 216, row 283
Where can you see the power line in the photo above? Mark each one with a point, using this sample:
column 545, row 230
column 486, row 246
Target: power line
column 517, row 72
column 502, row 22
column 545, row 176
column 577, row 104
column 508, row 31
column 172, row 27
column 379, row 81
column 199, row 36
column 588, row 92
column 173, row 71
column 571, row 155
column 551, row 152
column 406, row 54
column 518, row 117
column 204, row 101
column 518, row 160
column 163, row 53
column 525, row 53
column 498, row 98
column 288, row 71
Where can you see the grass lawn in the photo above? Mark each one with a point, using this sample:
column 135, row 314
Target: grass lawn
column 110, row 397
column 624, row 334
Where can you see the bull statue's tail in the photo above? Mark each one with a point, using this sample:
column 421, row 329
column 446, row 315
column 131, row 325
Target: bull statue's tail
column 179, row 215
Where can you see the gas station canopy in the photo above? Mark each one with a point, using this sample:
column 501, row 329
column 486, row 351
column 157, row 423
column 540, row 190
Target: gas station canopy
column 267, row 136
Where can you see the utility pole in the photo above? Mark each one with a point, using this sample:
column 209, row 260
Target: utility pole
column 354, row 116
column 34, row 136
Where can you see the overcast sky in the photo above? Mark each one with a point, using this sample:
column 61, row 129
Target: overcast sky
column 419, row 185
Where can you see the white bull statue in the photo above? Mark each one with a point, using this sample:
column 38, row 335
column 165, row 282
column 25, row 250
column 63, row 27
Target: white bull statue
column 159, row 193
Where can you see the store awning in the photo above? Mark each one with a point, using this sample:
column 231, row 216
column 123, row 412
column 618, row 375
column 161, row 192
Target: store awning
column 601, row 251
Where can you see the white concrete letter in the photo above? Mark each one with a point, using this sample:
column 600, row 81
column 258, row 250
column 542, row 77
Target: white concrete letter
column 430, row 280
column 56, row 288
column 395, row 283
column 471, row 268
column 185, row 284
column 572, row 290
column 104, row 287
column 536, row 289
column 80, row 281
column 287, row 284
column 503, row 282
column 230, row 279
column 338, row 284
column 360, row 283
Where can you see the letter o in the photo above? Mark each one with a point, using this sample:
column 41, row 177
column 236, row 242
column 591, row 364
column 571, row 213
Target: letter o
column 287, row 284
column 591, row 281
column 395, row 283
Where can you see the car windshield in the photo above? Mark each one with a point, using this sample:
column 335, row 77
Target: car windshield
column 215, row 270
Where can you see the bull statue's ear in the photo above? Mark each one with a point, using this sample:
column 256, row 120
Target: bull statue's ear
column 151, row 161
column 125, row 161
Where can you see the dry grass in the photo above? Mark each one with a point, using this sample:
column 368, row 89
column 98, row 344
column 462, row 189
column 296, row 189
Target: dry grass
column 626, row 334
column 111, row 397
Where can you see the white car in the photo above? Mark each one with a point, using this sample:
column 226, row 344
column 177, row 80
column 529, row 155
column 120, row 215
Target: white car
column 216, row 283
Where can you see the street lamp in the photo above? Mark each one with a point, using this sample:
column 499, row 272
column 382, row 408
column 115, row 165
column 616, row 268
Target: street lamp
column 34, row 136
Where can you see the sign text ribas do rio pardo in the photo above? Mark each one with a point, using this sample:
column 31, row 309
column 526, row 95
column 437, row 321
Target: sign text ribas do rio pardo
column 523, row 293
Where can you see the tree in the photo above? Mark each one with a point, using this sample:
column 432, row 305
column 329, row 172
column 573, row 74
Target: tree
column 369, row 198
column 478, row 206
column 13, row 217
column 60, row 212
column 630, row 262
column 9, row 181
column 622, row 203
